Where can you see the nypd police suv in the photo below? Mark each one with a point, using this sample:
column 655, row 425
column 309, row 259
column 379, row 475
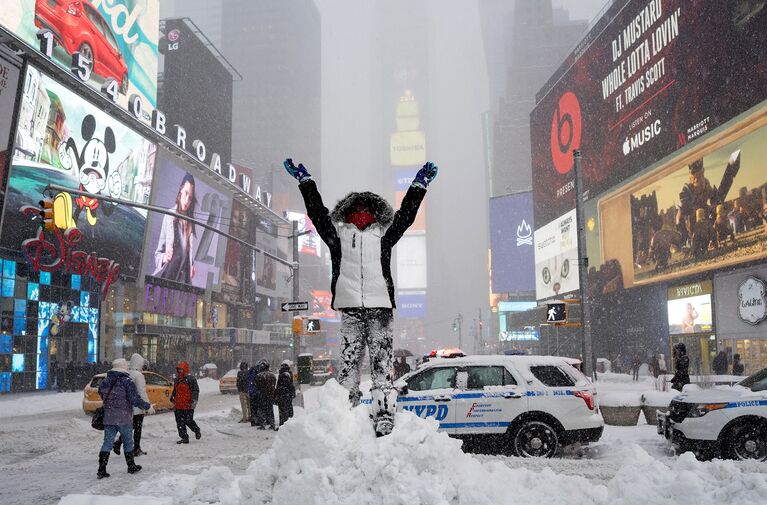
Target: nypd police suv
column 729, row 422
column 533, row 405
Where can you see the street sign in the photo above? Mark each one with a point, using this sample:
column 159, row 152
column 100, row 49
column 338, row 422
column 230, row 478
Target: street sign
column 295, row 306
column 312, row 325
column 556, row 313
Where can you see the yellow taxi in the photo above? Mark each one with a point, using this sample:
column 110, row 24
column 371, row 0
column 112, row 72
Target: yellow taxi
column 158, row 389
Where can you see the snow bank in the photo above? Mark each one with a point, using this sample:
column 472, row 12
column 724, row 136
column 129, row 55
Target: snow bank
column 39, row 403
column 331, row 455
column 647, row 480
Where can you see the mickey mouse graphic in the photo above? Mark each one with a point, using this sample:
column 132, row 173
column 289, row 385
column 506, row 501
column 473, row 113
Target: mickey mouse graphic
column 92, row 164
column 62, row 316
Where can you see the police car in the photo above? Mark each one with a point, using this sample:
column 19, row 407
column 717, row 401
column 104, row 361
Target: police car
column 729, row 422
column 529, row 405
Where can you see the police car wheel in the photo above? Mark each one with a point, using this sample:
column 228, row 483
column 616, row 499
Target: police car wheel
column 747, row 442
column 535, row 439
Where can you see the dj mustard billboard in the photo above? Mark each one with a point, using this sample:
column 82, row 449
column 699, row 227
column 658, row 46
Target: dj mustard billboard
column 659, row 75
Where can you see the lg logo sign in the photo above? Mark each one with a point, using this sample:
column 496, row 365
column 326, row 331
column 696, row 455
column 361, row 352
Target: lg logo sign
column 565, row 132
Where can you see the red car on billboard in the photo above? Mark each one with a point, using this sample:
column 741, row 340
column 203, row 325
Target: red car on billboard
column 78, row 26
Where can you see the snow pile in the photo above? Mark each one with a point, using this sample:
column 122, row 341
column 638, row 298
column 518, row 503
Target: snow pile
column 647, row 480
column 39, row 403
column 331, row 455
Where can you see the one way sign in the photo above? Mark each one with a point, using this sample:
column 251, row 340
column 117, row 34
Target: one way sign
column 556, row 313
column 295, row 306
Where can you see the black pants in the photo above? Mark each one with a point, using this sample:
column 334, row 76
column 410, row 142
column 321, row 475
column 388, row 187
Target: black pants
column 286, row 410
column 138, row 425
column 253, row 409
column 264, row 411
column 185, row 418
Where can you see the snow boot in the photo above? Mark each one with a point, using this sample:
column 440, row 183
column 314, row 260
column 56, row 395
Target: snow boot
column 116, row 447
column 138, row 452
column 183, row 441
column 103, row 460
column 198, row 434
column 132, row 466
column 383, row 425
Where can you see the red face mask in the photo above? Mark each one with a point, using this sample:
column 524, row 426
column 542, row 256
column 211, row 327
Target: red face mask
column 360, row 218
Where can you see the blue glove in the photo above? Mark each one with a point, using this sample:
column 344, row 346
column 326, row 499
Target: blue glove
column 427, row 174
column 299, row 173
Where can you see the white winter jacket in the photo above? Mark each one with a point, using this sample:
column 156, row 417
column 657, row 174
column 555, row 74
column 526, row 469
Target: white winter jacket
column 361, row 259
column 135, row 366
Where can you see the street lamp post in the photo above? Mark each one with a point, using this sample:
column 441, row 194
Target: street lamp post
column 457, row 322
column 583, row 267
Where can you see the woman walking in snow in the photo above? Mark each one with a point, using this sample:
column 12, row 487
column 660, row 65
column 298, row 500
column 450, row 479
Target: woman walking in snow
column 119, row 394
column 360, row 233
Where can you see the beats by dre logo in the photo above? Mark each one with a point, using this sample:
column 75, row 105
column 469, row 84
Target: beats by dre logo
column 565, row 132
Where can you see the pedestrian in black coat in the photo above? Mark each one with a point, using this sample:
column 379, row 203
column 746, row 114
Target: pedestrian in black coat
column 242, row 390
column 265, row 382
column 681, row 367
column 737, row 366
column 285, row 392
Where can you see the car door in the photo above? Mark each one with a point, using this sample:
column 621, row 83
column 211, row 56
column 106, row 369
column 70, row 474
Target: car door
column 158, row 389
column 488, row 400
column 430, row 394
column 556, row 397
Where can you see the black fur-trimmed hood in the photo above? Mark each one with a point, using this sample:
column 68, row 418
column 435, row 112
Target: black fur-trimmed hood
column 380, row 208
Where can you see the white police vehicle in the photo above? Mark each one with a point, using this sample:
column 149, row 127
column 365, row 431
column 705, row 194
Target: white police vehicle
column 729, row 422
column 529, row 405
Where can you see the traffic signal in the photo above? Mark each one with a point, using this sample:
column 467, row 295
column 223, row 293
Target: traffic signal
column 47, row 217
column 556, row 312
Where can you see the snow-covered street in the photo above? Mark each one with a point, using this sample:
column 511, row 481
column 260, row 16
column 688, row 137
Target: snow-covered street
column 329, row 454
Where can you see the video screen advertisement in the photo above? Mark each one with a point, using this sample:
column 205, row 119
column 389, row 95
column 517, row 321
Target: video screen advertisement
column 118, row 36
column 62, row 139
column 180, row 251
column 9, row 83
column 556, row 257
column 689, row 309
column 707, row 210
column 237, row 254
column 660, row 75
column 512, row 256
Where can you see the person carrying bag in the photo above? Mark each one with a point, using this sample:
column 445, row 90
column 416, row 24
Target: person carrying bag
column 120, row 396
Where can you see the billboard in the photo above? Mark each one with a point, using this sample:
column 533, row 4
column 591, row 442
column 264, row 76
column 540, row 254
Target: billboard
column 9, row 82
column 512, row 257
column 705, row 210
column 186, row 96
column 556, row 257
column 689, row 308
column 661, row 74
column 411, row 262
column 320, row 306
column 407, row 148
column 62, row 139
column 411, row 305
column 236, row 254
column 310, row 243
column 404, row 180
column 118, row 37
column 180, row 251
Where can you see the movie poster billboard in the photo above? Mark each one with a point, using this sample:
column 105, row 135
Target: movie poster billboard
column 236, row 253
column 706, row 210
column 177, row 250
column 9, row 83
column 118, row 37
column 512, row 255
column 61, row 139
column 556, row 257
column 661, row 74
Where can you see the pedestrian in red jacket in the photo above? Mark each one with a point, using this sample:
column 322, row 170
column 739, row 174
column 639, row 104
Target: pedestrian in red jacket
column 184, row 398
